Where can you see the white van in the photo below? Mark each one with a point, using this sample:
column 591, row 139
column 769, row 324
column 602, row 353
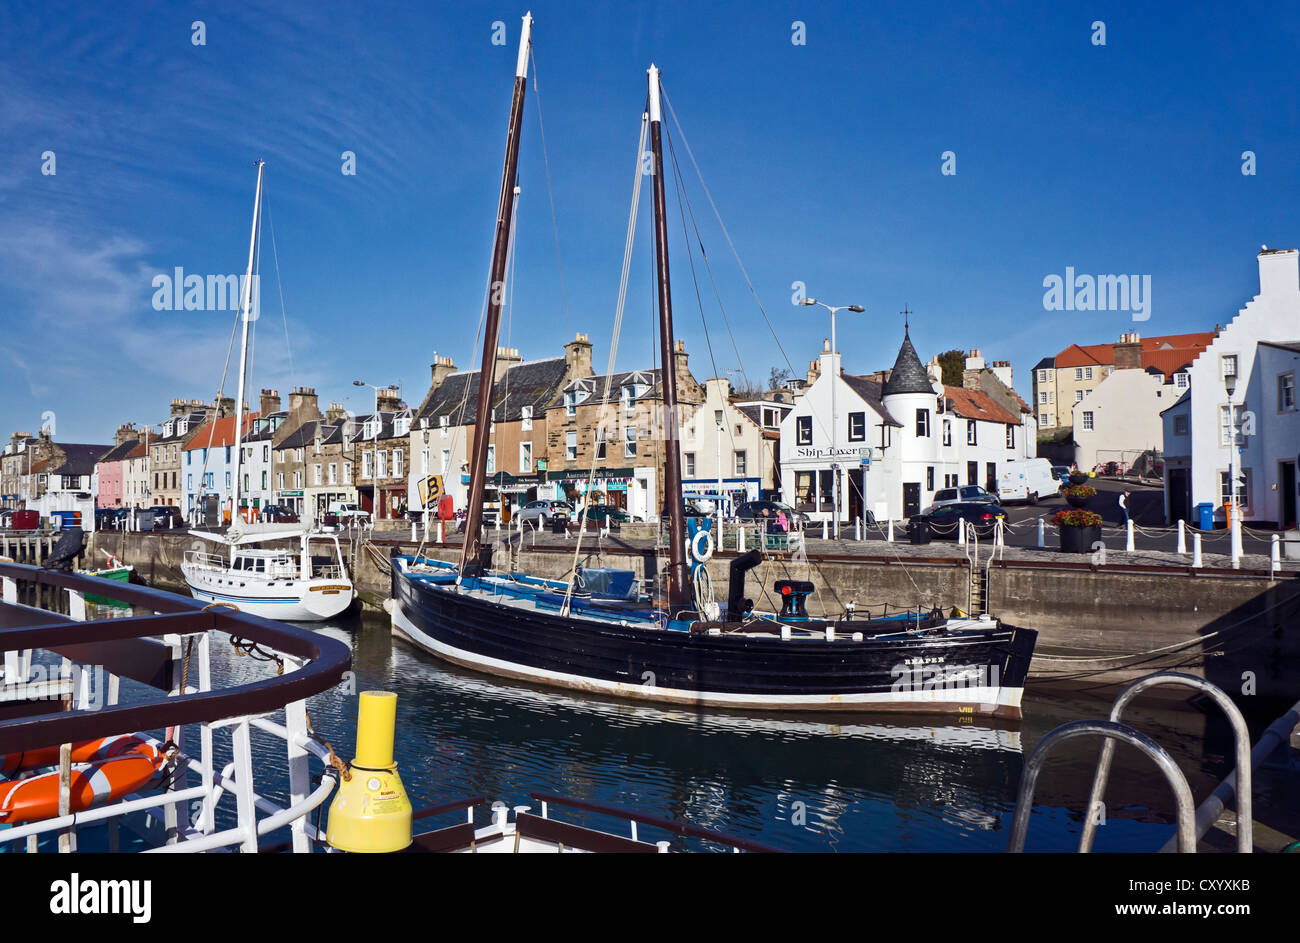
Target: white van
column 1027, row 481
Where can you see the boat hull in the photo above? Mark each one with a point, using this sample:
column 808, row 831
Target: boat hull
column 291, row 601
column 979, row 672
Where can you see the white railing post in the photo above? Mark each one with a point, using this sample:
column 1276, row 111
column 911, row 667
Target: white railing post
column 1182, row 536
column 824, row 528
column 1041, row 539
column 1196, row 549
column 999, row 539
column 11, row 591
column 76, row 606
column 1236, row 542
column 961, row 531
column 440, row 532
column 1129, row 544
column 245, row 810
column 295, row 722
column 413, row 539
column 740, row 540
column 857, row 528
column 890, row 536
column 1274, row 555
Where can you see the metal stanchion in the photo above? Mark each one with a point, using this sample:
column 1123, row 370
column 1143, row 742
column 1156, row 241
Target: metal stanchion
column 1041, row 541
column 1182, row 536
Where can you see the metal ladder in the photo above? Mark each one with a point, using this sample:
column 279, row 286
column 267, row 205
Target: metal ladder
column 1192, row 822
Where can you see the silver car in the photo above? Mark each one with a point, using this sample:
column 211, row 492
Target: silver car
column 539, row 513
column 966, row 493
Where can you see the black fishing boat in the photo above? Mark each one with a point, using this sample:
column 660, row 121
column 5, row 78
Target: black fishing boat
column 668, row 642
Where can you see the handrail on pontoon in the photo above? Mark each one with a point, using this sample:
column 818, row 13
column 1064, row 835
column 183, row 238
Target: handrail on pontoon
column 1240, row 734
column 1110, row 730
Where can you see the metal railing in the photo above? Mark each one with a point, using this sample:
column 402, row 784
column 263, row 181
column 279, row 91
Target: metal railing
column 130, row 648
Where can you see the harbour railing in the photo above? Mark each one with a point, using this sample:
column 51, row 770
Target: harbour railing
column 168, row 650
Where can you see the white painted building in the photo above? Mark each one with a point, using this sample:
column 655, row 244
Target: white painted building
column 1255, row 349
column 744, row 437
column 897, row 442
column 1121, row 417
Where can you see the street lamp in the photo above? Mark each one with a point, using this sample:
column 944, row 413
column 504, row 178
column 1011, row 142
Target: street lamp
column 835, row 465
column 374, row 455
column 1234, row 516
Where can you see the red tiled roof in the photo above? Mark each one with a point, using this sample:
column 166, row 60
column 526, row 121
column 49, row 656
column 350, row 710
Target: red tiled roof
column 218, row 433
column 972, row 404
column 1104, row 354
column 1170, row 362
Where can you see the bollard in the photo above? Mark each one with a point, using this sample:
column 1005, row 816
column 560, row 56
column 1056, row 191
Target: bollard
column 961, row 531
column 1041, row 542
column 824, row 524
column 1129, row 545
column 1196, row 549
column 1182, row 536
column 740, row 540
column 1236, row 542
column 440, row 532
column 857, row 528
column 890, row 538
column 999, row 534
column 413, row 539
column 1274, row 554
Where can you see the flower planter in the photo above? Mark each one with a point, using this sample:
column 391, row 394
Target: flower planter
column 1079, row 539
column 1077, row 501
column 1078, row 478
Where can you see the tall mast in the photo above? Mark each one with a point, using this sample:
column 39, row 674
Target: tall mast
column 496, row 299
column 678, row 579
column 246, row 301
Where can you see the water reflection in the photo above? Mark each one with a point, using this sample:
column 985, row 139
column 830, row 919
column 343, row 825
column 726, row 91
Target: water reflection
column 805, row 783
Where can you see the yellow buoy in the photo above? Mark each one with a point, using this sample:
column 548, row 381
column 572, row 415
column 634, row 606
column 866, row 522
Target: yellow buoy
column 370, row 811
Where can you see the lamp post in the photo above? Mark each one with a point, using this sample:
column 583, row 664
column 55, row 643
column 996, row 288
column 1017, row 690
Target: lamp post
column 1234, row 516
column 835, row 425
column 374, row 454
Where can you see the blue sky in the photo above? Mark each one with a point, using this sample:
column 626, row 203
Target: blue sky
column 824, row 160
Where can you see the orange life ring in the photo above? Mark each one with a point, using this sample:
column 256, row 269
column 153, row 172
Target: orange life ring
column 110, row 768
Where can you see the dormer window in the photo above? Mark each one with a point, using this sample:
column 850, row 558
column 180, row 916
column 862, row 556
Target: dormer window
column 442, row 425
column 526, row 418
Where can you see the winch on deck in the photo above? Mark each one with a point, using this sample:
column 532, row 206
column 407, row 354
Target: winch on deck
column 794, row 595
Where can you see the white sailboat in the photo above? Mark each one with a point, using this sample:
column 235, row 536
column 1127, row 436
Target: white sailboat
column 292, row 585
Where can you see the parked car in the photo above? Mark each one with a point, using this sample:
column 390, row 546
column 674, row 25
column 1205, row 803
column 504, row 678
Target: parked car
column 753, row 510
column 278, row 514
column 347, row 513
column 943, row 520
column 1027, row 481
column 602, row 513
column 690, row 509
column 966, row 493
column 1060, row 472
column 167, row 516
column 540, row 513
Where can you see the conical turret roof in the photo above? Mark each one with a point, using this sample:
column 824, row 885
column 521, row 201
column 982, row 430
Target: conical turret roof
column 908, row 375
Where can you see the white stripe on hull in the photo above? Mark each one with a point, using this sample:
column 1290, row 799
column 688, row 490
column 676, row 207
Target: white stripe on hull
column 291, row 610
column 973, row 700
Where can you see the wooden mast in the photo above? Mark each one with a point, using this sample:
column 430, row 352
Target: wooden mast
column 496, row 299
column 678, row 589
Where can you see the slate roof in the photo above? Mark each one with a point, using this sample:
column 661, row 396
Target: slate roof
column 195, row 420
column 908, row 375
column 532, row 383
column 304, row 435
column 1293, row 346
column 1046, row 363
column 119, row 452
column 871, row 391
column 79, row 459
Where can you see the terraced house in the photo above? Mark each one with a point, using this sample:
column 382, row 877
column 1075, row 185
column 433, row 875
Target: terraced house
column 605, row 437
column 520, row 468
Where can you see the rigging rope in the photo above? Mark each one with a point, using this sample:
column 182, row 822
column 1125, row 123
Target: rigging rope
column 628, row 243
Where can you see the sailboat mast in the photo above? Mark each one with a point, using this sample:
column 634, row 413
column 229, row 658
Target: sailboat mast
column 496, row 299
column 678, row 578
column 246, row 302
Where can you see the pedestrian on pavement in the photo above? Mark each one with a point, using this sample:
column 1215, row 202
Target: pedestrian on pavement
column 1123, row 506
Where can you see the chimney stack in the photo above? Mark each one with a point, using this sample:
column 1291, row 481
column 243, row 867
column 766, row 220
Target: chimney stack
column 507, row 357
column 681, row 361
column 1128, row 352
column 439, row 370
column 335, row 414
column 269, row 402
column 125, row 433
column 577, row 358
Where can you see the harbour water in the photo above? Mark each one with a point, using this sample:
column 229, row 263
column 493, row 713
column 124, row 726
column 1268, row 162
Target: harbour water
column 856, row 783
column 802, row 783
